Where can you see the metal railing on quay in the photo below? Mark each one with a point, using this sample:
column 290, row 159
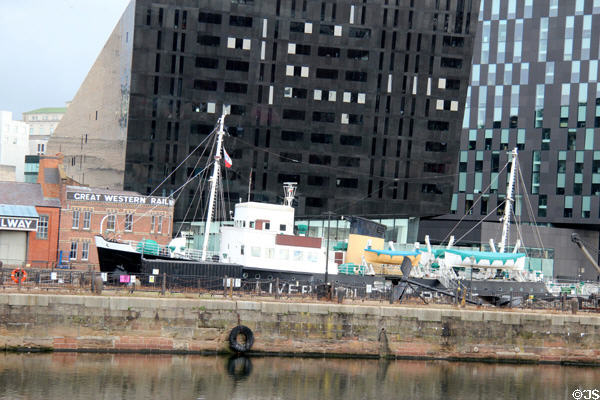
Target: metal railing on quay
column 81, row 281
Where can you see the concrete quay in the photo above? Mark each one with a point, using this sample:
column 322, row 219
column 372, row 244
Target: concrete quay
column 87, row 323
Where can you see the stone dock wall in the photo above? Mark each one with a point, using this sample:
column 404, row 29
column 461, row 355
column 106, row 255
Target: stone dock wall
column 134, row 324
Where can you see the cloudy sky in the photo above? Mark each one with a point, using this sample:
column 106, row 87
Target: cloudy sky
column 47, row 48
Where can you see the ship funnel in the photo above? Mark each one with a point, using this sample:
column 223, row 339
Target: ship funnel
column 289, row 192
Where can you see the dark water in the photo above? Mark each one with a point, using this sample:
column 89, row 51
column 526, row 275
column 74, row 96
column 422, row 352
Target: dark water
column 93, row 376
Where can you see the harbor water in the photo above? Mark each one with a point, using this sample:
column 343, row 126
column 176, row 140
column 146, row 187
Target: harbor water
column 123, row 376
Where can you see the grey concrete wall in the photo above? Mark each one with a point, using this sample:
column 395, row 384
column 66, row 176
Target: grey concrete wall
column 129, row 324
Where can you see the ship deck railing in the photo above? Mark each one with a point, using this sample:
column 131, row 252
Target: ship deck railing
column 165, row 251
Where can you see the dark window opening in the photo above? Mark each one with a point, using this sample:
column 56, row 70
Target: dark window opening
column 438, row 125
column 303, row 49
column 201, row 129
column 297, row 27
column 349, row 183
column 234, row 65
column 328, row 52
column 347, row 140
column 453, row 84
column 290, row 157
column 356, row 76
column 359, row 33
column 233, row 87
column 238, row 20
column 454, row 41
column 434, row 167
column 431, row 188
column 209, row 40
column 209, row 18
column 294, row 114
column 319, row 159
column 320, row 116
column 359, row 54
column 315, row 202
column 448, row 62
column 436, row 146
column 344, row 161
column 321, row 138
column 326, row 30
column 323, row 73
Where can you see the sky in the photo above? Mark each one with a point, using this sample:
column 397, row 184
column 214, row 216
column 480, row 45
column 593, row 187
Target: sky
column 47, row 48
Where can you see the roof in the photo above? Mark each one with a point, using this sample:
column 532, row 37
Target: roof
column 48, row 110
column 25, row 194
column 8, row 210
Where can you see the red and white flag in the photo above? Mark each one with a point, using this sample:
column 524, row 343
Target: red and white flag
column 226, row 158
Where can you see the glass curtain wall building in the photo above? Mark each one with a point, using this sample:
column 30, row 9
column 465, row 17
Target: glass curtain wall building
column 534, row 86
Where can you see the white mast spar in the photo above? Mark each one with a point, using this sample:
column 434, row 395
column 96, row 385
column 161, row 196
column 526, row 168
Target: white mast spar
column 213, row 185
column 509, row 201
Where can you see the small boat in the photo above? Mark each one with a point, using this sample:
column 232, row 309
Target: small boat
column 394, row 257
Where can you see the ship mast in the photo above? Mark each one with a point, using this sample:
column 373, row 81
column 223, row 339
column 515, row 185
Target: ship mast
column 509, row 201
column 213, row 185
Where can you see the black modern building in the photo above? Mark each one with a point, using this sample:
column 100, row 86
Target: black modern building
column 360, row 102
column 534, row 86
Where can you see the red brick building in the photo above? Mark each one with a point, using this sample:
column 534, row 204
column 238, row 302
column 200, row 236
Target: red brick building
column 28, row 225
column 128, row 216
column 55, row 220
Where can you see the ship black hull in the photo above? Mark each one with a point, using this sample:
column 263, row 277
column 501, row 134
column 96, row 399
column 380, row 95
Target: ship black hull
column 116, row 262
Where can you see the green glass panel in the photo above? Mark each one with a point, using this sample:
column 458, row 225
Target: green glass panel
column 462, row 181
column 560, row 180
column 589, row 139
column 585, row 203
column 568, row 201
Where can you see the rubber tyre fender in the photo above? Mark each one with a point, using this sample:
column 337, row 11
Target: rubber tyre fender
column 237, row 346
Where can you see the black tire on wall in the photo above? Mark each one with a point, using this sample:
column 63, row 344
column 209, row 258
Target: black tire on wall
column 235, row 344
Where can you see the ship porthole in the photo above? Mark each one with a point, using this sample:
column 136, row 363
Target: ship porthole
column 293, row 278
column 245, row 275
column 257, row 276
column 270, row 277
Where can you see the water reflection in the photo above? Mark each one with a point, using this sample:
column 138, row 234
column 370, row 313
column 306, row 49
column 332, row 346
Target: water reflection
column 239, row 367
column 102, row 376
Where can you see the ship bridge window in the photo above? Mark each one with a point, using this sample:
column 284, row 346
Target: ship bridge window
column 251, row 224
column 282, row 227
column 255, row 251
column 312, row 257
column 267, row 226
column 242, row 249
column 269, row 251
column 298, row 255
